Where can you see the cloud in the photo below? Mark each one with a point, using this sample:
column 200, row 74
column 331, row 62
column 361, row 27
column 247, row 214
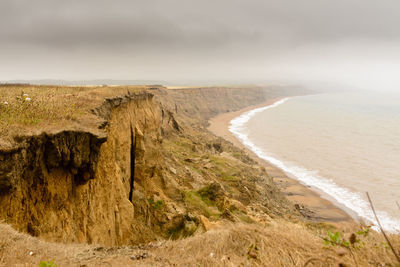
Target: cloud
column 75, row 23
column 235, row 35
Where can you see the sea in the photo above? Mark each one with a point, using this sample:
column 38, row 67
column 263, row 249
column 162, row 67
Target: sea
column 342, row 145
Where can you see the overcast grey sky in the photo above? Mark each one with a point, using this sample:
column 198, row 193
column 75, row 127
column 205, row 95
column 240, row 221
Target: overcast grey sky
column 354, row 41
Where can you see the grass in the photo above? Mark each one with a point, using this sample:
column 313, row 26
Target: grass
column 157, row 205
column 226, row 169
column 201, row 203
column 50, row 263
column 243, row 217
column 49, row 105
column 176, row 232
column 206, row 195
column 280, row 243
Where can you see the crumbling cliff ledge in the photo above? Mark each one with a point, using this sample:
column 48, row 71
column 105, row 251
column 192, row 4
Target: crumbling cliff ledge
column 71, row 185
column 140, row 173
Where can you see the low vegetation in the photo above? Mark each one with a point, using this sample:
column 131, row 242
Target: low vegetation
column 157, row 205
column 278, row 243
column 50, row 263
column 27, row 107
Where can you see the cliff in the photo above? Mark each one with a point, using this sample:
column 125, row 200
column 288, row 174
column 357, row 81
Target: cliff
column 73, row 186
column 120, row 183
column 200, row 104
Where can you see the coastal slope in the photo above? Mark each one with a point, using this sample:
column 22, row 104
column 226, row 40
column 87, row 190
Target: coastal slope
column 131, row 175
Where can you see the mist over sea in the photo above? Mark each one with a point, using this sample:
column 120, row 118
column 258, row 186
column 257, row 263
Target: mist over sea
column 343, row 144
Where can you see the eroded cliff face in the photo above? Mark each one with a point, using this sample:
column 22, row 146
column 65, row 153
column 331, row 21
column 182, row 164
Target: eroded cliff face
column 77, row 186
column 149, row 171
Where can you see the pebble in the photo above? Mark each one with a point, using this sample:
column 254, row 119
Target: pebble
column 141, row 256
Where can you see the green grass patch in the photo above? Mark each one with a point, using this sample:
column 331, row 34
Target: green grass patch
column 181, row 147
column 225, row 169
column 206, row 196
column 175, row 232
column 202, row 203
column 243, row 217
column 237, row 155
column 157, row 205
column 196, row 169
column 181, row 231
column 47, row 264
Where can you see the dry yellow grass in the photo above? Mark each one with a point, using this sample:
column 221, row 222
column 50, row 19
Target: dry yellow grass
column 278, row 243
column 27, row 107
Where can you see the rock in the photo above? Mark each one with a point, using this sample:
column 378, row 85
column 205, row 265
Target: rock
column 205, row 223
column 353, row 238
column 156, row 198
column 191, row 217
column 341, row 252
column 234, row 204
column 217, row 147
column 298, row 206
column 209, row 166
column 139, row 256
column 190, row 227
column 173, row 170
column 252, row 254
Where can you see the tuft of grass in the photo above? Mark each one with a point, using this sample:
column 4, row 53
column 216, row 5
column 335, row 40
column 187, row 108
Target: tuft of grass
column 157, row 205
column 225, row 169
column 201, row 203
column 180, row 231
column 206, row 195
column 243, row 217
column 176, row 232
column 50, row 263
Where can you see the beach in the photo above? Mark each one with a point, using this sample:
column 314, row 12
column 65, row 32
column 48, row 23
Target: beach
column 310, row 203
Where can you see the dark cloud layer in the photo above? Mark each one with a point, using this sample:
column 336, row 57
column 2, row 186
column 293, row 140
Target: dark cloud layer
column 207, row 33
column 58, row 23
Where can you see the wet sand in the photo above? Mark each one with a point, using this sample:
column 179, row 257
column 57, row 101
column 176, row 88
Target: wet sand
column 310, row 203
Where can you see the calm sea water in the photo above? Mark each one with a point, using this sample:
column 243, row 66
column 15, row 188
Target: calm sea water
column 342, row 144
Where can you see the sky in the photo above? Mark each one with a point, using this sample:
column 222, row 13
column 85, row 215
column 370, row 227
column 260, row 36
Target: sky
column 239, row 41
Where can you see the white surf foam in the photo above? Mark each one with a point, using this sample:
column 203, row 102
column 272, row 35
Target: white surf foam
column 352, row 200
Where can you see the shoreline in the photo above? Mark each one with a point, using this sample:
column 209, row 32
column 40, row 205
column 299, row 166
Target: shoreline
column 311, row 203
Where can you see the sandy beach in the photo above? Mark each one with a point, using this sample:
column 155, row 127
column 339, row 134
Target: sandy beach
column 310, row 203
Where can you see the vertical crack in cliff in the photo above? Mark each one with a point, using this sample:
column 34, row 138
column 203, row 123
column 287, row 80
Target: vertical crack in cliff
column 133, row 151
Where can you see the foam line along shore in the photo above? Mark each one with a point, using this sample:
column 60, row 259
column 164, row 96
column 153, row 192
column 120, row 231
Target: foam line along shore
column 351, row 201
column 321, row 208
